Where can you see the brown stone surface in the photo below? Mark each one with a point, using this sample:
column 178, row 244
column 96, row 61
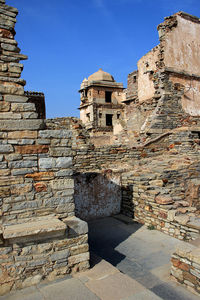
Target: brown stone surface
column 32, row 149
column 164, row 199
column 40, row 187
column 40, row 176
column 22, row 134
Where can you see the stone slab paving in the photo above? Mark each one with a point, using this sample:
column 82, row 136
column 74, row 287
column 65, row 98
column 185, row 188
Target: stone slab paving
column 128, row 262
column 142, row 254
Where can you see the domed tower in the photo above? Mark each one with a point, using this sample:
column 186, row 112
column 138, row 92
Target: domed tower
column 101, row 103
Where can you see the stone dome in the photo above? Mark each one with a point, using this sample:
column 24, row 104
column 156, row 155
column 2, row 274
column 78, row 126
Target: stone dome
column 100, row 75
column 84, row 83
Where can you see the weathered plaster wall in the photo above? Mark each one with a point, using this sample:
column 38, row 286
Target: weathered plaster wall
column 191, row 92
column 181, row 47
column 97, row 195
column 147, row 65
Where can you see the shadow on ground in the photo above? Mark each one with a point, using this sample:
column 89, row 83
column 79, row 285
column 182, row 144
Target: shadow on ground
column 142, row 254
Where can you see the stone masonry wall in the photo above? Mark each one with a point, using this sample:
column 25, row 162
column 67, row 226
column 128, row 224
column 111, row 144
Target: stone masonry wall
column 186, row 267
column 40, row 237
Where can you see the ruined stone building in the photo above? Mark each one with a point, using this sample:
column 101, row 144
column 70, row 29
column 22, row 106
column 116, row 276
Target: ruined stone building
column 55, row 174
column 101, row 106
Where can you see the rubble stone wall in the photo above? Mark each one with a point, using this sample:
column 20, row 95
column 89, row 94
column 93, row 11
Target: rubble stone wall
column 186, row 267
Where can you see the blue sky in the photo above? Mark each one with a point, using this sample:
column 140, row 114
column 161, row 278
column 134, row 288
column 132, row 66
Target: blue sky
column 67, row 40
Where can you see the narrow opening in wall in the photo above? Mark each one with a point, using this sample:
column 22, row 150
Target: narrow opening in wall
column 109, row 120
column 100, row 115
column 88, row 116
column 108, row 96
column 118, row 115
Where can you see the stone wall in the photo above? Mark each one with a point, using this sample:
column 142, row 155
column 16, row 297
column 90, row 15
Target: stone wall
column 162, row 199
column 186, row 267
column 97, row 194
column 40, row 237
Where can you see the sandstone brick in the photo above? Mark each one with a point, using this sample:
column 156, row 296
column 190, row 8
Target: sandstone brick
column 79, row 249
column 190, row 277
column 32, row 149
column 6, row 181
column 4, row 106
column 23, row 107
column 9, row 115
column 21, row 189
column 164, row 199
column 38, row 176
column 72, row 260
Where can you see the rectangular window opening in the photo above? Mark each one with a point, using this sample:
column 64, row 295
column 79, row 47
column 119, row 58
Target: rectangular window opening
column 108, row 96
column 109, row 120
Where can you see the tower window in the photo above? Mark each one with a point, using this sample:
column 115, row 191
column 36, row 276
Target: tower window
column 118, row 115
column 88, row 116
column 100, row 115
column 108, row 96
column 109, row 120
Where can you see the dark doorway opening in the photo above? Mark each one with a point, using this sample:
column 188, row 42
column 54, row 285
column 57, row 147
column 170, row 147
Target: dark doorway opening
column 108, row 96
column 109, row 120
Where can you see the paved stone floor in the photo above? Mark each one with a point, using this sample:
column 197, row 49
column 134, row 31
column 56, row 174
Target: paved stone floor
column 129, row 262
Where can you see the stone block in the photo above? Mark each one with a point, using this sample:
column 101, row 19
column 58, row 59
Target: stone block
column 15, row 98
column 182, row 219
column 40, row 187
column 4, row 106
column 21, row 142
column 171, row 215
column 72, row 260
column 21, row 189
column 34, row 229
column 79, row 249
column 6, row 149
column 32, row 149
column 23, row 107
column 10, row 88
column 38, row 176
column 22, row 164
column 60, row 151
column 33, row 280
column 64, row 162
column 9, row 115
column 55, row 134
column 7, row 125
column 12, row 157
column 164, row 199
column 60, row 255
column 46, row 163
column 76, row 226
column 6, row 181
column 50, row 163
column 62, row 184
column 29, row 115
column 22, row 171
